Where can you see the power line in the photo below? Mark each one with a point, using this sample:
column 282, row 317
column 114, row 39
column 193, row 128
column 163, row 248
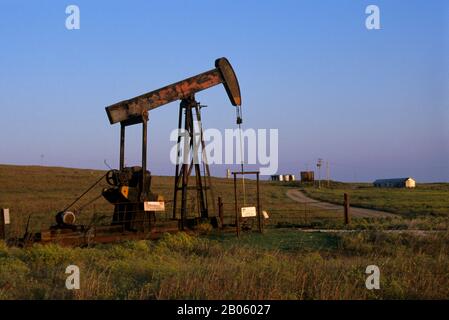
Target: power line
column 319, row 164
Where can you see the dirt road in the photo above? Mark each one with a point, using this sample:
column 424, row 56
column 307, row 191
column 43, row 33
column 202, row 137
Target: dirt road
column 300, row 197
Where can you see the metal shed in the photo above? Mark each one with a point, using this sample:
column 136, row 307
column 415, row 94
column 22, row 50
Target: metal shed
column 395, row 183
column 277, row 177
column 307, row 176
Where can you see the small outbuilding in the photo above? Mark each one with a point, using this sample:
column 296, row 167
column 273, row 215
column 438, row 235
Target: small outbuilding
column 395, row 183
column 283, row 177
column 307, row 176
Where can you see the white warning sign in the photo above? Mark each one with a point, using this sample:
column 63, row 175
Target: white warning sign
column 248, row 212
column 154, row 206
column 6, row 216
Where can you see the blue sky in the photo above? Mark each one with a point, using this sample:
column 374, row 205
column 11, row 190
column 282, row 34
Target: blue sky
column 372, row 103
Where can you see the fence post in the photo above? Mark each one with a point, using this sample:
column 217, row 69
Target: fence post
column 347, row 213
column 259, row 210
column 305, row 213
column 4, row 220
column 237, row 216
column 220, row 211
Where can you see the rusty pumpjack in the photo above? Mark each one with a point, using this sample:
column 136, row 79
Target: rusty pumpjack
column 138, row 179
column 130, row 187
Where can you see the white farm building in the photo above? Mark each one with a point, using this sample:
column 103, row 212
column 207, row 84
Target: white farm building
column 395, row 183
column 283, row 177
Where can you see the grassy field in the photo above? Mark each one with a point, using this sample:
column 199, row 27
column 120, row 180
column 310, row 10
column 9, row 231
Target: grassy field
column 43, row 191
column 283, row 263
column 424, row 200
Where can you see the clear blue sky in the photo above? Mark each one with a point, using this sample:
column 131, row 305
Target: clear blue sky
column 374, row 103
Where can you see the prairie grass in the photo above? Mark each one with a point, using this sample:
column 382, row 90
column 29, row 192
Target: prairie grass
column 38, row 193
column 280, row 264
column 284, row 264
column 427, row 199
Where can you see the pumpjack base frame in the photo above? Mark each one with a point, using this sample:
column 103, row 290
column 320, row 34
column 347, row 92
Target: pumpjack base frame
column 82, row 236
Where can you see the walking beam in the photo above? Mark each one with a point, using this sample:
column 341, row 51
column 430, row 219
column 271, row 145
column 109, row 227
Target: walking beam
column 129, row 111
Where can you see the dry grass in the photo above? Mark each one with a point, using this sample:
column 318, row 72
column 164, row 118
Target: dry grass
column 281, row 264
column 41, row 192
column 184, row 267
column 427, row 199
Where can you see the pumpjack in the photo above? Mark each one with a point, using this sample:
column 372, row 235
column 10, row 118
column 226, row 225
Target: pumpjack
column 131, row 187
column 129, row 190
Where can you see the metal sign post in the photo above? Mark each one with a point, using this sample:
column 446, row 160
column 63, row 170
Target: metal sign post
column 247, row 212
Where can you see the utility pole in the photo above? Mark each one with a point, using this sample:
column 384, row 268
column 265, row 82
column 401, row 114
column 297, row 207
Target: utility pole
column 327, row 174
column 319, row 164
